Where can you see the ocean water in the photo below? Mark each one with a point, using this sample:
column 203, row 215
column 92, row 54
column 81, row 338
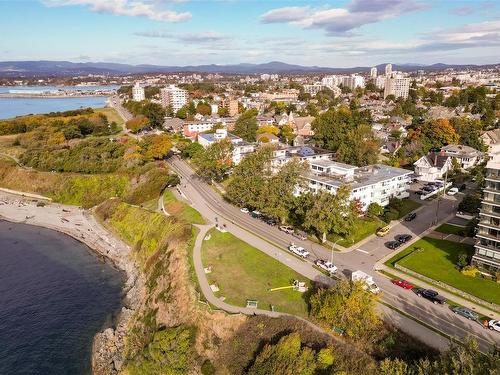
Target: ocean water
column 12, row 107
column 55, row 295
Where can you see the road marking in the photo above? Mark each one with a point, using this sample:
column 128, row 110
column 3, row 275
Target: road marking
column 363, row 251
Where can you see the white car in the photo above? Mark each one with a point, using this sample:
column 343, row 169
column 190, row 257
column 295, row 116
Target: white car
column 326, row 265
column 452, row 191
column 298, row 250
column 245, row 210
column 494, row 325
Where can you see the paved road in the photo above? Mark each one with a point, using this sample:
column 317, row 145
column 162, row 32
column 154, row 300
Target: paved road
column 363, row 257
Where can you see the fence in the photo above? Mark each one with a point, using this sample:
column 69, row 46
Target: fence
column 490, row 305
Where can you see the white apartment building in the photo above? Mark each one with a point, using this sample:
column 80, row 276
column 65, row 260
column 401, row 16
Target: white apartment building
column 174, row 96
column 375, row 183
column 371, row 184
column 240, row 147
column 388, row 69
column 313, row 89
column 396, row 84
column 331, row 81
column 353, row 81
column 373, row 72
column 380, row 82
column 138, row 92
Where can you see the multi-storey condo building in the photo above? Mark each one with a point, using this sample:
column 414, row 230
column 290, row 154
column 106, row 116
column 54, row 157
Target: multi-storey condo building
column 138, row 92
column 373, row 72
column 331, row 81
column 487, row 254
column 388, row 69
column 174, row 96
column 313, row 89
column 353, row 81
column 397, row 84
column 371, row 184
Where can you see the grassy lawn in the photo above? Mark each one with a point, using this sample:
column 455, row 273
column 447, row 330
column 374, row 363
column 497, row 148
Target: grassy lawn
column 437, row 260
column 451, row 229
column 362, row 228
column 7, row 146
column 243, row 272
column 111, row 114
column 408, row 206
column 181, row 209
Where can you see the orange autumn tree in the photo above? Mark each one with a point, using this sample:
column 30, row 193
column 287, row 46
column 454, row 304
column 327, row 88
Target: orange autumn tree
column 440, row 133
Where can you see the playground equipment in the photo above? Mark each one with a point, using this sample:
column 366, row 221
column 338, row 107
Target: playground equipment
column 297, row 285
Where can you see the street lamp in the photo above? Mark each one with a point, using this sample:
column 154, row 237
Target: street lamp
column 333, row 247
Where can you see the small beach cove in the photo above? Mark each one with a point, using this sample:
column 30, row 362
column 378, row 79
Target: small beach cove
column 60, row 288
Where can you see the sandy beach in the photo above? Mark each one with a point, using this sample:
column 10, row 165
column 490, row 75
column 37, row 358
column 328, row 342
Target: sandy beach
column 81, row 225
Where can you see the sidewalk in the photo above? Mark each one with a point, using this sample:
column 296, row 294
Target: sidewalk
column 451, row 237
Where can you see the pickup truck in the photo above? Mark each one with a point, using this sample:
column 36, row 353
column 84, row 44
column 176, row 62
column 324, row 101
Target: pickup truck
column 431, row 295
column 369, row 284
column 297, row 250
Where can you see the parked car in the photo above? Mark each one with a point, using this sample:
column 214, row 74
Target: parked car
column 420, row 192
column 403, row 238
column 245, row 210
column 393, row 245
column 326, row 265
column 428, row 188
column 381, row 232
column 462, row 187
column 465, row 312
column 271, row 222
column 286, row 228
column 402, row 283
column 494, row 325
column 300, row 235
column 298, row 250
column 431, row 295
column 411, row 216
column 452, row 191
column 256, row 214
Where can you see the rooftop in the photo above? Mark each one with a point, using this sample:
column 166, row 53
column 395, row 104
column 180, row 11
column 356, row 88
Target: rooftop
column 363, row 176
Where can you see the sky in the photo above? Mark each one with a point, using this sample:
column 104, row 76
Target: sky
column 193, row 32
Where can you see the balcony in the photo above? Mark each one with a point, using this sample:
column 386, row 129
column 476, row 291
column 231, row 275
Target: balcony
column 484, row 234
column 489, row 212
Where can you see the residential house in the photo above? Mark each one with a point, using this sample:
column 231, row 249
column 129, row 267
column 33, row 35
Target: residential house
column 467, row 157
column 433, row 166
column 267, row 138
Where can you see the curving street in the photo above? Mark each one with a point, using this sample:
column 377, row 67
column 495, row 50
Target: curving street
column 362, row 257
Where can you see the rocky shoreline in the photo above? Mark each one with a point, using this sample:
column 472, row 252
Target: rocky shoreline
column 108, row 346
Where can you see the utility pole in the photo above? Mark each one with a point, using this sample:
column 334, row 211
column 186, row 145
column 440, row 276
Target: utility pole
column 439, row 196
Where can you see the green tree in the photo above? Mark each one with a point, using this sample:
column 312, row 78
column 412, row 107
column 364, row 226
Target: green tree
column 290, row 357
column 349, row 307
column 330, row 213
column 137, row 123
column 155, row 113
column 191, row 150
column 215, row 162
column 276, row 197
column 374, row 210
column 246, row 125
column 286, row 134
column 169, row 353
column 203, row 109
column 157, row 146
column 249, row 178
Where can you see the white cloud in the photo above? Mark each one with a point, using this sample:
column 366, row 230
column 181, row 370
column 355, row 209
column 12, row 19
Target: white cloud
column 339, row 21
column 198, row 37
column 132, row 8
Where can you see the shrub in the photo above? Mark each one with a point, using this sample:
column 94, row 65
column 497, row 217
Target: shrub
column 470, row 271
column 374, row 210
column 391, row 214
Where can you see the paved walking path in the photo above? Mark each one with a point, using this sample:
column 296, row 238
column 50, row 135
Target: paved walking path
column 451, row 237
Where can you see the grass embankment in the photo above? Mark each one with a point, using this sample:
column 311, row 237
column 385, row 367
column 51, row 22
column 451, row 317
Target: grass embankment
column 244, row 273
column 362, row 228
column 111, row 114
column 451, row 229
column 437, row 260
column 86, row 190
column 180, row 209
column 9, row 147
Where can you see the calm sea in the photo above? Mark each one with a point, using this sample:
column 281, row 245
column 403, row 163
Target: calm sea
column 11, row 107
column 54, row 297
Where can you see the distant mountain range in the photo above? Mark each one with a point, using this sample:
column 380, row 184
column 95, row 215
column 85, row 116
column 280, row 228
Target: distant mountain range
column 66, row 68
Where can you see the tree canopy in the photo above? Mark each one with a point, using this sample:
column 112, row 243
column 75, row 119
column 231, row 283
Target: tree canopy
column 246, row 125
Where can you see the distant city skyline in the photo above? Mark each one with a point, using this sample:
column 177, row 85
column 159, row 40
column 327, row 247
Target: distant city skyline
column 182, row 32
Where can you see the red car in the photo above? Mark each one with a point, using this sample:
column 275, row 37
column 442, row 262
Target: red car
column 402, row 283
